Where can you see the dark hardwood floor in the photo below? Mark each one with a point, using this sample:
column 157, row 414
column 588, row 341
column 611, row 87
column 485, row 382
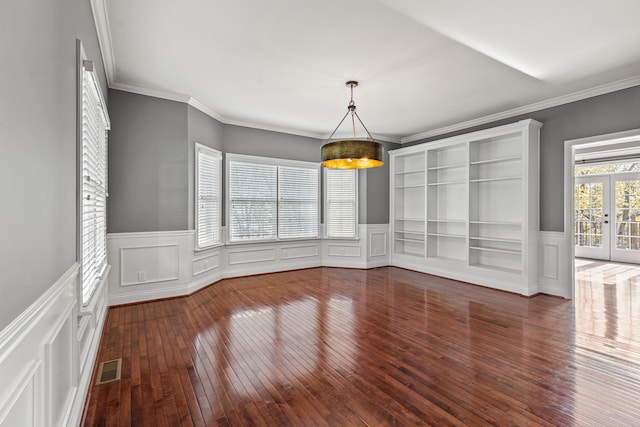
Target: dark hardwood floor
column 385, row 346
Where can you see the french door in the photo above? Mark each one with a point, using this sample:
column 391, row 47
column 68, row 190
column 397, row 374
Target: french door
column 607, row 217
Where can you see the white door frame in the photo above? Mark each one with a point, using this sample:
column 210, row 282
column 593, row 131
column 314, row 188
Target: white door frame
column 570, row 147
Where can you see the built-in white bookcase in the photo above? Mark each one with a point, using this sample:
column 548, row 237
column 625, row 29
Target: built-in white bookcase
column 466, row 207
column 447, row 202
column 409, row 205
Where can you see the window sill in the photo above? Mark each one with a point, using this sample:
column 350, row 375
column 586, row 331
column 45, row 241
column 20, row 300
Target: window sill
column 261, row 242
column 351, row 239
column 208, row 248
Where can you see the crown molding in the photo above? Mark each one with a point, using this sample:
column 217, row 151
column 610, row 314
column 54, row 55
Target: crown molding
column 101, row 20
column 100, row 16
column 553, row 102
column 156, row 93
column 274, row 129
column 195, row 103
column 206, row 109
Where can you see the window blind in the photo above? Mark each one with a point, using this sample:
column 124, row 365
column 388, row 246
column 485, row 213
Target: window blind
column 208, row 206
column 94, row 186
column 341, row 203
column 253, row 203
column 298, row 207
column 271, row 199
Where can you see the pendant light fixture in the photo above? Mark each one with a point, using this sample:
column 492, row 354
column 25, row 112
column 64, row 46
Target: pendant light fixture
column 352, row 153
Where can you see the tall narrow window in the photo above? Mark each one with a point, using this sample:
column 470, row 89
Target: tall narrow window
column 341, row 205
column 208, row 206
column 271, row 199
column 95, row 123
column 298, row 207
column 253, row 201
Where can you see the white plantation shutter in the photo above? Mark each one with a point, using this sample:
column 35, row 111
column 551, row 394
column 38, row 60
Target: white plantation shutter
column 208, row 205
column 271, row 199
column 298, row 207
column 253, row 202
column 341, row 203
column 95, row 124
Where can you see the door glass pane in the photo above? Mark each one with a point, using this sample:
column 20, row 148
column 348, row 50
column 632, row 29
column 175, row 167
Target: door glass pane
column 627, row 215
column 588, row 214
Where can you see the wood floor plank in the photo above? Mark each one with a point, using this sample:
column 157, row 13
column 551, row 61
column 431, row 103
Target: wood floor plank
column 387, row 346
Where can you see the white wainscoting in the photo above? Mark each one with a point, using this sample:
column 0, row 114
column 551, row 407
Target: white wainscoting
column 149, row 266
column 554, row 276
column 369, row 251
column 47, row 356
column 154, row 265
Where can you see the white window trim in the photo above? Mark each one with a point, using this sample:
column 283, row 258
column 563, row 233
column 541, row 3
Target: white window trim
column 218, row 156
column 232, row 157
column 357, row 212
column 83, row 66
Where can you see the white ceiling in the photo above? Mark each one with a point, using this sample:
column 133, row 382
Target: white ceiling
column 424, row 66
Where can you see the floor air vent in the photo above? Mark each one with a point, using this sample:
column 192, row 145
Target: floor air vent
column 109, row 371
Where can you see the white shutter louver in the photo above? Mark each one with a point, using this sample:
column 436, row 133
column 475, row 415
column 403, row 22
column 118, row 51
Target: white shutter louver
column 208, row 204
column 298, row 207
column 341, row 203
column 94, row 186
column 253, row 204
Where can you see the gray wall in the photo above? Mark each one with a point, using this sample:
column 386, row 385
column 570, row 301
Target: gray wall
column 38, row 143
column 151, row 162
column 377, row 190
column 207, row 131
column 256, row 142
column 613, row 112
column 148, row 167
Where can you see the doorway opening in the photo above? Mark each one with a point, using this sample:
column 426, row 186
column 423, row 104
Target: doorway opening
column 602, row 199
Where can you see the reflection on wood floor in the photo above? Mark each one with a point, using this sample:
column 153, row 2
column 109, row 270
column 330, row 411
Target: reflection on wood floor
column 385, row 346
column 607, row 298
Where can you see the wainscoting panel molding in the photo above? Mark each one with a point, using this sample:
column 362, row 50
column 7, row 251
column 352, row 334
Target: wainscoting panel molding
column 148, row 264
column 151, row 265
column 378, row 248
column 554, row 276
column 43, row 378
column 258, row 258
column 344, row 250
column 250, row 255
column 204, row 263
column 300, row 251
column 164, row 264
